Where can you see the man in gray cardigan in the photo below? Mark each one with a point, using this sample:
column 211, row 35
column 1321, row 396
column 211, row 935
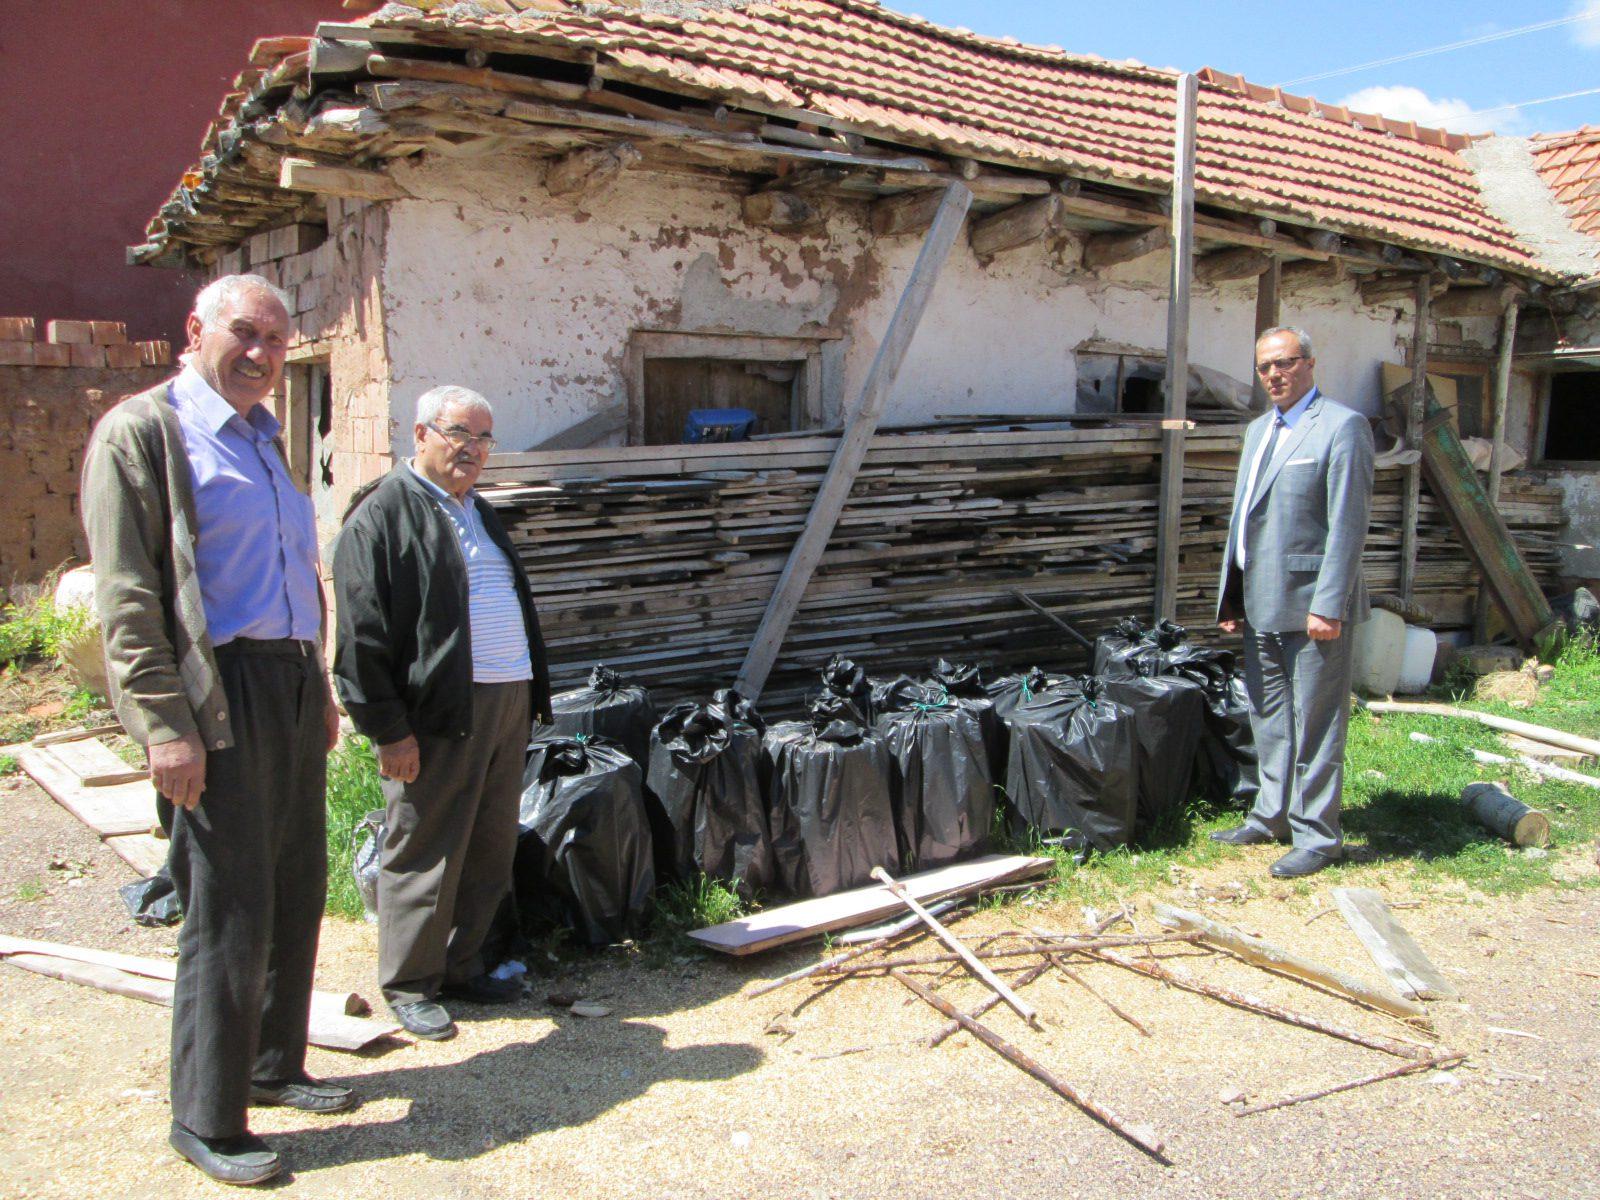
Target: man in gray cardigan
column 206, row 583
column 1291, row 576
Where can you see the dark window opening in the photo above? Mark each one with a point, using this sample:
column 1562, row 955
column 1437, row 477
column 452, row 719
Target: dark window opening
column 675, row 387
column 1572, row 424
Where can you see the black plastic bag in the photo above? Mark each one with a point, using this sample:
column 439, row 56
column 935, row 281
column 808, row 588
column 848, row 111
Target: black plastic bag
column 705, row 770
column 1169, row 720
column 153, row 901
column 609, row 708
column 843, row 677
column 1074, row 764
column 832, row 789
column 943, row 784
column 366, row 852
column 1010, row 691
column 964, row 684
column 585, row 852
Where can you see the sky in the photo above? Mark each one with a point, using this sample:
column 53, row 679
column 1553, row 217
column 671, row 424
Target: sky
column 1277, row 44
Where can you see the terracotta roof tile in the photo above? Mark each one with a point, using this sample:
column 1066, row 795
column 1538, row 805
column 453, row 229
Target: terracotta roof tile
column 1569, row 164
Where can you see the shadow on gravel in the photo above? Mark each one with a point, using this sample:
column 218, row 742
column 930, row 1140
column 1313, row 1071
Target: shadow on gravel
column 460, row 1110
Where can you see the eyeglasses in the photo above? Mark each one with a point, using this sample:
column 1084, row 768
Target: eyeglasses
column 1278, row 364
column 458, row 436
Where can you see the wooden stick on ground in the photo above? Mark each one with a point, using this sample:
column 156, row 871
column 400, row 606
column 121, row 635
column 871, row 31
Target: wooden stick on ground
column 1054, row 947
column 1143, row 1138
column 1285, row 962
column 1252, row 1004
column 1088, row 987
column 827, row 964
column 1016, row 1003
column 1539, row 733
column 986, row 1004
column 1426, row 1064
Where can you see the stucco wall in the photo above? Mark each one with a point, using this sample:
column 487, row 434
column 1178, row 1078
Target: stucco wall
column 491, row 282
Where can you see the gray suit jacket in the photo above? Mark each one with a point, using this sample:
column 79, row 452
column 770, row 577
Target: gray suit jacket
column 1306, row 526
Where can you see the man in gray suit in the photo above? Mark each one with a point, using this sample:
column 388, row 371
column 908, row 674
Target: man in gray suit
column 1291, row 576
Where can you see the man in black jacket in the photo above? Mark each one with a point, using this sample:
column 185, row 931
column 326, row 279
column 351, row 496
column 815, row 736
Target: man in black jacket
column 440, row 663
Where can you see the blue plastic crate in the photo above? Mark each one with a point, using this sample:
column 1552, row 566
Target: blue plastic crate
column 718, row 425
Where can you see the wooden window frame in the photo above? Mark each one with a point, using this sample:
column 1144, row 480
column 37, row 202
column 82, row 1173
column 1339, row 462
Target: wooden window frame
column 809, row 410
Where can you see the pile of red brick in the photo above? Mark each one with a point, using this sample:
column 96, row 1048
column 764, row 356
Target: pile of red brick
column 102, row 344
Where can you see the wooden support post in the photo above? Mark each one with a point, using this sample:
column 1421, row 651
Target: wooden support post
column 860, row 424
column 1502, row 391
column 1268, row 286
column 1177, row 379
column 1413, row 433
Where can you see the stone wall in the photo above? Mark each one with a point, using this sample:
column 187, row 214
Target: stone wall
column 46, row 414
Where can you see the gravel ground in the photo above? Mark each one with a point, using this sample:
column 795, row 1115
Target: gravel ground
column 692, row 1089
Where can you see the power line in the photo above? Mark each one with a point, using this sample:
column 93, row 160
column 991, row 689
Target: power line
column 1592, row 12
column 1484, row 112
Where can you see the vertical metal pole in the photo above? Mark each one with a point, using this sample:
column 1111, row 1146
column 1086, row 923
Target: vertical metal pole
column 1175, row 415
column 1415, row 409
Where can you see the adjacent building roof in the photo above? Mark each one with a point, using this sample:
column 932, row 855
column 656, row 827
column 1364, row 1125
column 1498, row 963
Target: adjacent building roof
column 895, row 78
column 1569, row 164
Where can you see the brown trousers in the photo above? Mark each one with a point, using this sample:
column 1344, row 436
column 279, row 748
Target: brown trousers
column 446, row 860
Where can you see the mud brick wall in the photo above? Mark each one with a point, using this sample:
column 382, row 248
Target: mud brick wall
column 46, row 414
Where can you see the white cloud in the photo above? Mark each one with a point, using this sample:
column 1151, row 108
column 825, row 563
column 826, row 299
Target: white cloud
column 1404, row 103
column 1587, row 31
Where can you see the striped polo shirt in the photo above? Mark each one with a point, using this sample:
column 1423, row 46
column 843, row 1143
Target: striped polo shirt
column 499, row 634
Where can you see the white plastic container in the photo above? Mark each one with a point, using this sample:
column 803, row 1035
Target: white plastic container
column 1416, row 660
column 1379, row 646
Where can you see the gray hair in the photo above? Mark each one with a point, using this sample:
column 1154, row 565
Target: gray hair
column 214, row 297
column 450, row 395
column 1300, row 336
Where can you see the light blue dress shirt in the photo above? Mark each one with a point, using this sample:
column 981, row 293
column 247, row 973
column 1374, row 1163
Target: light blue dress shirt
column 256, row 549
column 494, row 614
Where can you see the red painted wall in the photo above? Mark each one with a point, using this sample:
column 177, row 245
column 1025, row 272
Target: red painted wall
column 102, row 108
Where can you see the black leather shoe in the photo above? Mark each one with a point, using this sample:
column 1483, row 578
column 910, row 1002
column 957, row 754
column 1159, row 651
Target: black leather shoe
column 425, row 1019
column 484, row 989
column 241, row 1160
column 307, row 1094
column 1242, row 835
column 1298, row 863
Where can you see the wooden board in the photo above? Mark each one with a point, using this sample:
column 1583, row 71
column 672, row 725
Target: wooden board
column 151, row 980
column 808, row 918
column 93, row 762
column 1533, row 749
column 1398, row 956
column 126, row 808
column 143, row 852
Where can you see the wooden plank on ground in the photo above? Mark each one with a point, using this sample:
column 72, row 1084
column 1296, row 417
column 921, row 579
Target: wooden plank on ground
column 125, row 808
column 808, row 918
column 94, row 763
column 144, row 852
column 1544, row 750
column 151, row 980
column 1394, row 950
column 852, row 449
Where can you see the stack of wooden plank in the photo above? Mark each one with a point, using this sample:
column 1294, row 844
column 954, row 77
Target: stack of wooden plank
column 660, row 560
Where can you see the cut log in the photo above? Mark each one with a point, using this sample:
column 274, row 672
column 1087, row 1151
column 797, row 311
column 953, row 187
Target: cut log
column 1497, row 809
column 588, row 170
column 1242, row 262
column 783, row 211
column 1394, row 950
column 1285, row 962
column 1314, row 274
column 1104, row 250
column 810, row 918
column 1393, row 288
column 1019, row 225
column 303, row 175
column 908, row 212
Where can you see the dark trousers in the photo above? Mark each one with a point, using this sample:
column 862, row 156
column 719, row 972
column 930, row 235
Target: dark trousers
column 446, row 861
column 250, row 867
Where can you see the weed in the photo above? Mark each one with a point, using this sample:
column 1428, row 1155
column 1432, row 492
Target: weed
column 696, row 903
column 353, row 792
column 30, row 891
column 38, row 629
column 82, row 704
column 8, row 765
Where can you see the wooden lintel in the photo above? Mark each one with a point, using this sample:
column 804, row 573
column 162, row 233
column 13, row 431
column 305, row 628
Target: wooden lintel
column 809, row 179
column 1107, row 249
column 1314, row 274
column 332, row 60
column 585, row 170
column 781, row 211
column 303, row 175
column 1019, row 225
column 907, row 212
column 1241, row 262
column 1475, row 301
column 1391, row 288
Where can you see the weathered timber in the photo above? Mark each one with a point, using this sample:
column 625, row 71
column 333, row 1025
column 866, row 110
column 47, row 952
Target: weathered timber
column 1241, row 262
column 1475, row 301
column 1019, row 225
column 588, row 170
column 1175, row 384
column 1104, row 250
column 1435, row 1063
column 303, row 175
column 1394, row 950
column 907, row 212
column 990, row 1001
column 786, row 212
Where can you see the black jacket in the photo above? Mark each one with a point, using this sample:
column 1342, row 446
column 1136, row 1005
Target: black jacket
column 403, row 649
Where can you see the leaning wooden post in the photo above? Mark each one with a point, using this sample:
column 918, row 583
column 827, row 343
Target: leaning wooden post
column 861, row 422
column 1268, row 287
column 1497, row 448
column 1174, row 417
column 1415, row 407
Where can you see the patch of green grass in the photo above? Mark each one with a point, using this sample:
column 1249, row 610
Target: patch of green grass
column 353, row 792
column 696, row 903
column 82, row 704
column 8, row 765
column 38, row 629
column 30, row 891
